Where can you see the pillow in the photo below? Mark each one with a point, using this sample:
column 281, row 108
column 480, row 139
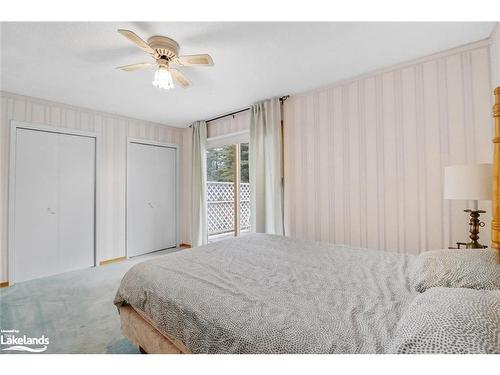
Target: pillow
column 450, row 320
column 464, row 268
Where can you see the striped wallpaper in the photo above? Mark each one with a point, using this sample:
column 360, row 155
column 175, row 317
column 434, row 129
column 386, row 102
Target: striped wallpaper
column 114, row 131
column 364, row 158
column 230, row 124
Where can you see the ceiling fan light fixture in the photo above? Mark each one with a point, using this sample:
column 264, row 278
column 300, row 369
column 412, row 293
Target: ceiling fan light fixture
column 165, row 52
column 163, row 79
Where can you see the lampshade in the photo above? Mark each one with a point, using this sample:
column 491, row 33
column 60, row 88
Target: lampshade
column 163, row 79
column 468, row 182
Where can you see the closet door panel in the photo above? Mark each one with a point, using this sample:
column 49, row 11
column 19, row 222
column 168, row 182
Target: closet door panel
column 141, row 236
column 76, row 201
column 165, row 192
column 54, row 203
column 35, row 221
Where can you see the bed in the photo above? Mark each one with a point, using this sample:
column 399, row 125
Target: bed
column 269, row 294
column 272, row 294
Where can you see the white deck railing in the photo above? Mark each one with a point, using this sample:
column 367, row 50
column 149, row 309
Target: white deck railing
column 220, row 210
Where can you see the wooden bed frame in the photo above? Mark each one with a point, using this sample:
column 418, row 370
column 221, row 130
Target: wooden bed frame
column 143, row 333
column 139, row 329
column 495, row 200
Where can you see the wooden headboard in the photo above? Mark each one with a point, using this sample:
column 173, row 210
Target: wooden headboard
column 495, row 200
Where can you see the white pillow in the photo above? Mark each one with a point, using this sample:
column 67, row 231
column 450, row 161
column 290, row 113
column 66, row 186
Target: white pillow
column 450, row 320
column 464, row 268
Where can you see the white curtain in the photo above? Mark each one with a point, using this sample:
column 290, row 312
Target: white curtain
column 265, row 167
column 199, row 185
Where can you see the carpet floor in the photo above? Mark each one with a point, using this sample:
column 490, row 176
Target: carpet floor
column 74, row 310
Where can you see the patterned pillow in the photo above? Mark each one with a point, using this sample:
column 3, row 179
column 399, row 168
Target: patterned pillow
column 449, row 320
column 465, row 268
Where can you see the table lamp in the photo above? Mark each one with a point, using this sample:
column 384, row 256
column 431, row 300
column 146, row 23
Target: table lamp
column 470, row 182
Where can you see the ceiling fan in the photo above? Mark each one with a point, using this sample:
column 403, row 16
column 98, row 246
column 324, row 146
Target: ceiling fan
column 165, row 52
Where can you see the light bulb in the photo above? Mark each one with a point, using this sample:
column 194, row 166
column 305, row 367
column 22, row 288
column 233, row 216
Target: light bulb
column 163, row 79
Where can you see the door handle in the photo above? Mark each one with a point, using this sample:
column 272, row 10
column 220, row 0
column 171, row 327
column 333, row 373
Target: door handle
column 50, row 211
column 150, row 205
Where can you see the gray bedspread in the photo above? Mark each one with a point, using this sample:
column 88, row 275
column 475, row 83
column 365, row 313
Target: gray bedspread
column 270, row 294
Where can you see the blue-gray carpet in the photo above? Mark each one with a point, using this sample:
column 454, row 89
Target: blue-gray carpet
column 74, row 310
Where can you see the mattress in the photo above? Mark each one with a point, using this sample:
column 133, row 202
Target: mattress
column 272, row 294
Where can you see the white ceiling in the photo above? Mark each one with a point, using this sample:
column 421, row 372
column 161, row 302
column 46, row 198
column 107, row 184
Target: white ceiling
column 74, row 63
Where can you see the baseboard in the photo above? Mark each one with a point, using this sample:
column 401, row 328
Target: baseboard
column 4, row 284
column 114, row 260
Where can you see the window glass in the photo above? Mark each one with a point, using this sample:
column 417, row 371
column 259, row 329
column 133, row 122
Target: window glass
column 244, row 190
column 220, row 192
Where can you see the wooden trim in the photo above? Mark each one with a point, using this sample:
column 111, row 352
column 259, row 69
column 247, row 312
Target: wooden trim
column 282, row 169
column 143, row 333
column 185, row 246
column 114, row 260
column 4, row 284
column 236, row 197
column 495, row 200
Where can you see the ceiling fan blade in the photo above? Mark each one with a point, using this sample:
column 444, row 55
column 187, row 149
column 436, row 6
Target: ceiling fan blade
column 132, row 67
column 137, row 40
column 179, row 77
column 196, row 60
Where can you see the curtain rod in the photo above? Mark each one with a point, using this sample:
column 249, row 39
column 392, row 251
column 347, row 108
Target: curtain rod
column 282, row 100
column 228, row 114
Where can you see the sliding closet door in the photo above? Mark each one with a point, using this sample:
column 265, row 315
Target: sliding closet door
column 54, row 203
column 151, row 198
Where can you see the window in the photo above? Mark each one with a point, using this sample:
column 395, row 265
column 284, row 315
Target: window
column 244, row 190
column 228, row 191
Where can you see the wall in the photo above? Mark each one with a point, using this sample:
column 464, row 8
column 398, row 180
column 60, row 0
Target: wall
column 385, row 190
column 113, row 131
column 364, row 158
column 495, row 56
column 230, row 124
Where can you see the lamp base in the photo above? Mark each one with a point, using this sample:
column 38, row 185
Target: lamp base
column 474, row 225
column 475, row 245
